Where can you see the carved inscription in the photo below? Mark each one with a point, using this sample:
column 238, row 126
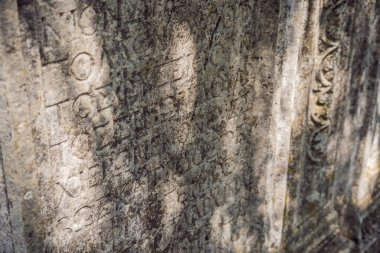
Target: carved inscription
column 149, row 106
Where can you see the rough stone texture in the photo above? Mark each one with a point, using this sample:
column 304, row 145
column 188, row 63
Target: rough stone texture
column 189, row 126
column 6, row 244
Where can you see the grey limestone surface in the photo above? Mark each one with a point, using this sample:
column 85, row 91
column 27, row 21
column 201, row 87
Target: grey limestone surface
column 189, row 126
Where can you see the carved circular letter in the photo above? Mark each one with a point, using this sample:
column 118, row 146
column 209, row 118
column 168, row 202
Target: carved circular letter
column 88, row 21
column 72, row 186
column 82, row 66
column 81, row 145
column 183, row 132
column 83, row 218
column 83, row 106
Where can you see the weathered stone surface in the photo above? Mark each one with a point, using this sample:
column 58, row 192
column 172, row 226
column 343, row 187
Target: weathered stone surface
column 189, row 126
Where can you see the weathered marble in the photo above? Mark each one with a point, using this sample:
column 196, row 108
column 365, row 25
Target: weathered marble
column 189, row 126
